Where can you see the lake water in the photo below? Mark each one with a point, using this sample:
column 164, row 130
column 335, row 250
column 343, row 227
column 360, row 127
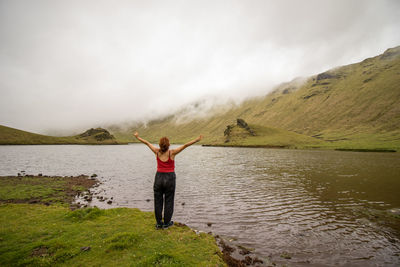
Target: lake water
column 320, row 207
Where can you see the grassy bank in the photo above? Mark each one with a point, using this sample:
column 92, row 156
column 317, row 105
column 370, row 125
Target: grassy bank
column 48, row 233
column 43, row 189
column 267, row 137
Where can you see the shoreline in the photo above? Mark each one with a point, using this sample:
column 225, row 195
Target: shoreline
column 249, row 146
column 54, row 144
column 374, row 150
column 307, row 148
column 74, row 193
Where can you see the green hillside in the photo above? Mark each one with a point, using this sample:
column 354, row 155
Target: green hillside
column 353, row 100
column 354, row 106
column 261, row 136
column 11, row 136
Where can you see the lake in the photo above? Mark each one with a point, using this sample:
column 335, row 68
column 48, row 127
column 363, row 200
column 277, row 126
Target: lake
column 319, row 207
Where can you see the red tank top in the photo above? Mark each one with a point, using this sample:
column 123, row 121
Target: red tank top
column 165, row 166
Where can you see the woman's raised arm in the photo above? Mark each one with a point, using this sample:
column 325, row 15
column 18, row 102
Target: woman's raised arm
column 179, row 149
column 147, row 143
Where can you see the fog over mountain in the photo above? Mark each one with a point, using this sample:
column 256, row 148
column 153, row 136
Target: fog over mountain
column 76, row 64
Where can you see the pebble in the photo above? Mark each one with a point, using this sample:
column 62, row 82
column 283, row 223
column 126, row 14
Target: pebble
column 85, row 248
column 286, row 255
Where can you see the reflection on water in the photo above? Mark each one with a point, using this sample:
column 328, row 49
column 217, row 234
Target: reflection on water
column 318, row 206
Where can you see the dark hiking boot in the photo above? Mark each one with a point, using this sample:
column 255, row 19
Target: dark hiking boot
column 167, row 225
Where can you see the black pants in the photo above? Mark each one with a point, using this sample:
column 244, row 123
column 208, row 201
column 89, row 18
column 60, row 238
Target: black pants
column 164, row 192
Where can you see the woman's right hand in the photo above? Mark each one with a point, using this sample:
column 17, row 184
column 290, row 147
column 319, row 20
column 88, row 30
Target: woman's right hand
column 199, row 138
column 136, row 134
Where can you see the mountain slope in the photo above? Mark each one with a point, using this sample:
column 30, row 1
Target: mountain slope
column 354, row 106
column 362, row 97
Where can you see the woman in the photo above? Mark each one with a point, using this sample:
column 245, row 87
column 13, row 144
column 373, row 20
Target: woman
column 164, row 183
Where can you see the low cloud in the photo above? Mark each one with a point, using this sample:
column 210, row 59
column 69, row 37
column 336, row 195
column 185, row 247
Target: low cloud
column 76, row 64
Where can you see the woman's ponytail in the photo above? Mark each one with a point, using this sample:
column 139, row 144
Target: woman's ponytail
column 164, row 145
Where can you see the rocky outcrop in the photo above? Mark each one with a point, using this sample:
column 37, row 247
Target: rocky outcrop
column 391, row 53
column 228, row 130
column 227, row 133
column 99, row 134
column 241, row 123
column 325, row 75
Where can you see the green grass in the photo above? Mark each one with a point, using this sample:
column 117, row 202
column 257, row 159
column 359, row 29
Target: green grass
column 362, row 141
column 268, row 137
column 38, row 235
column 26, row 188
column 39, row 189
column 53, row 235
column 25, row 192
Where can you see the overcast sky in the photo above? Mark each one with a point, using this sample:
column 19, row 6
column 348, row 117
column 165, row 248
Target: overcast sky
column 78, row 64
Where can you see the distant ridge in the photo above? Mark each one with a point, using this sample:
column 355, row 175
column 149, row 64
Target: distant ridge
column 356, row 106
column 11, row 136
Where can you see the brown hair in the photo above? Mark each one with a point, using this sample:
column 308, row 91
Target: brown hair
column 164, row 144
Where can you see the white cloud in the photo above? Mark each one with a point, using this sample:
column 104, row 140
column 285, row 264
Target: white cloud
column 76, row 64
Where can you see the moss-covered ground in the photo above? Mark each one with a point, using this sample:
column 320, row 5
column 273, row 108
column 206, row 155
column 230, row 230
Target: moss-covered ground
column 53, row 235
column 43, row 189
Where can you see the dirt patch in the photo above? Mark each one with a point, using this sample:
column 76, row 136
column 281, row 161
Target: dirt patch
column 41, row 251
column 178, row 224
column 78, row 184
